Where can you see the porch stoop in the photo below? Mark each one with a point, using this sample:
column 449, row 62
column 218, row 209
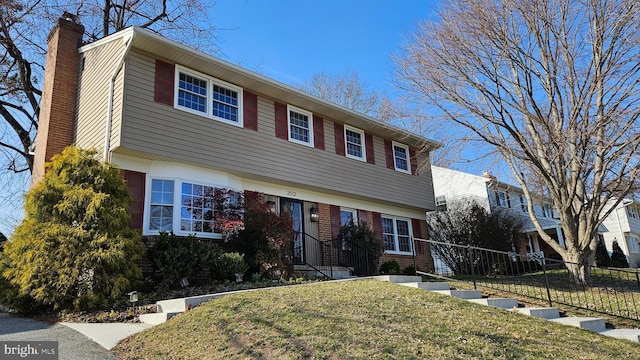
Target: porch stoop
column 593, row 324
column 336, row 272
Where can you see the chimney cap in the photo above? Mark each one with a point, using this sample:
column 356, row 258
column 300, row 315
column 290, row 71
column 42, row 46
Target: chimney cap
column 67, row 16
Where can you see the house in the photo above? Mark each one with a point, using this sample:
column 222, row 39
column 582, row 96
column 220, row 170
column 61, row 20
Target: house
column 623, row 226
column 450, row 185
column 181, row 123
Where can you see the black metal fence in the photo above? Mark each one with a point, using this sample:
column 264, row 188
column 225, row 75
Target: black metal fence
column 326, row 256
column 610, row 291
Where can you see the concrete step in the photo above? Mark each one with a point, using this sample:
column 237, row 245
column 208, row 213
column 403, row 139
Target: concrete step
column 540, row 312
column 156, row 318
column 594, row 324
column 428, row 285
column 337, row 274
column 461, row 294
column 626, row 334
column 502, row 303
column 398, row 279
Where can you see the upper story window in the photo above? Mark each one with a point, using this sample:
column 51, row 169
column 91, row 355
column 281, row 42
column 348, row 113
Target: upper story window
column 503, row 199
column 441, row 203
column 547, row 210
column 354, row 143
column 396, row 234
column 523, row 203
column 300, row 126
column 401, row 157
column 207, row 96
column 632, row 212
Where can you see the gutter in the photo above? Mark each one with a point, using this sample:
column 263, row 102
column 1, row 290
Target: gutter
column 108, row 121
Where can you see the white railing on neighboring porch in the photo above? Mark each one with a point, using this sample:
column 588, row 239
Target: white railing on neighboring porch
column 537, row 256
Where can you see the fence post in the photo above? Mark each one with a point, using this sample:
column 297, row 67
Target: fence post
column 413, row 248
column 473, row 271
column 546, row 282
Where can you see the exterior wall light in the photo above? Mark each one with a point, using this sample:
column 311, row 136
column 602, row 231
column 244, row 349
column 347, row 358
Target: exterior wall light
column 313, row 214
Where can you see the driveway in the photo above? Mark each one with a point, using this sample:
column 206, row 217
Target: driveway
column 72, row 345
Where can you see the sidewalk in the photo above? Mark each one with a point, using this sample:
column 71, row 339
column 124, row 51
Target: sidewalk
column 107, row 335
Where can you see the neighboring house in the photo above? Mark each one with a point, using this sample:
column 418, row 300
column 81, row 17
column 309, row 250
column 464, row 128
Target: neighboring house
column 181, row 123
column 623, row 226
column 450, row 185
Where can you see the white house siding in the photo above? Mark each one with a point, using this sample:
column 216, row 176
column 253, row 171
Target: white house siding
column 620, row 226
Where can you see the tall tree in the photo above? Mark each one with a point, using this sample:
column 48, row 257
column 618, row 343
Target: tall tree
column 346, row 90
column 553, row 86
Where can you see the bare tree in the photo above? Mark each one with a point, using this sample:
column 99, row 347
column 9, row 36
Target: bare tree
column 553, row 86
column 346, row 90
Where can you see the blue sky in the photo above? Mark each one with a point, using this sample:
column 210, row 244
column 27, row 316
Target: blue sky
column 290, row 41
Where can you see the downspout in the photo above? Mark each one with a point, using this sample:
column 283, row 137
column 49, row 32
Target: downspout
column 107, row 131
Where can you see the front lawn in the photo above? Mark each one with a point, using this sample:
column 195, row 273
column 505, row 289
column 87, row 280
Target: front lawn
column 362, row 319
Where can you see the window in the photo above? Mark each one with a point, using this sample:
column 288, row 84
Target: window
column 348, row 216
column 161, row 209
column 632, row 243
column 354, row 143
column 547, row 210
column 300, row 126
column 207, row 96
column 401, row 157
column 196, row 207
column 503, row 199
column 441, row 203
column 632, row 212
column 523, row 203
column 396, row 234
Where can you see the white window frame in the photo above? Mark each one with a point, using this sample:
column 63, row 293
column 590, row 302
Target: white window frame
column 177, row 206
column 354, row 215
column 547, row 210
column 395, row 235
column 395, row 164
column 149, row 204
column 632, row 244
column 441, row 200
column 211, row 81
column 362, row 145
column 309, row 115
column 523, row 203
column 632, row 212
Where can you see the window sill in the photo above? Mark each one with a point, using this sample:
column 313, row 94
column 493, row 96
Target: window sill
column 398, row 252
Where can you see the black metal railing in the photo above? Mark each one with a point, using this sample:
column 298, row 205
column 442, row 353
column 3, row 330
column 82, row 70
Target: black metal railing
column 610, row 291
column 325, row 256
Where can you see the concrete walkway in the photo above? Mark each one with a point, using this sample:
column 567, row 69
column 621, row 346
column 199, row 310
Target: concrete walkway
column 107, row 335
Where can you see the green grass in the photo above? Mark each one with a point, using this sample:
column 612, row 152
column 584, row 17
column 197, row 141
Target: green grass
column 362, row 320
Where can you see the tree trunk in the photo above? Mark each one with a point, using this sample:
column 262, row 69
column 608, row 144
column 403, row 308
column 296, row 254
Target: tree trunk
column 579, row 266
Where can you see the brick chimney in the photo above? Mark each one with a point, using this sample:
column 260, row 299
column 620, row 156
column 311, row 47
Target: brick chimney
column 58, row 102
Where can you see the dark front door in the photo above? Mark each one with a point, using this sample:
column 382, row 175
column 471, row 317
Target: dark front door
column 294, row 207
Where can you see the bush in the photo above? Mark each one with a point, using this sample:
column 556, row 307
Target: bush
column 409, row 270
column 361, row 248
column 227, row 265
column 618, row 259
column 602, row 255
column 390, row 267
column 175, row 257
column 75, row 248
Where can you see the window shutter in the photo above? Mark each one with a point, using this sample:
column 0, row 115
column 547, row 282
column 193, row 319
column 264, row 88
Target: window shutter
column 414, row 161
column 417, row 233
column 318, row 132
column 335, row 221
column 377, row 226
column 363, row 216
column 368, row 141
column 136, row 185
column 388, row 153
column 164, row 83
column 339, row 135
column 281, row 121
column 250, row 110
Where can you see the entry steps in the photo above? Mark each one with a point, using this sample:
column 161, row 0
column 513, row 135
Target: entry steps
column 594, row 324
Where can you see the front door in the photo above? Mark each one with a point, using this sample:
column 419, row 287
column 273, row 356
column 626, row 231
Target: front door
column 294, row 207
